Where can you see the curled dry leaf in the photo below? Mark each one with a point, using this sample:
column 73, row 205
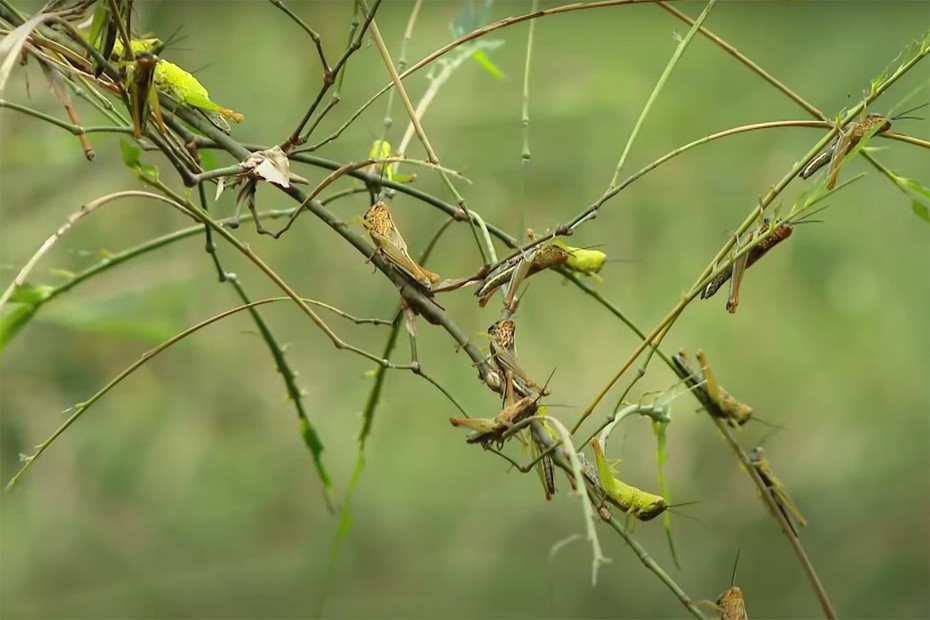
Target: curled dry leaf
column 273, row 166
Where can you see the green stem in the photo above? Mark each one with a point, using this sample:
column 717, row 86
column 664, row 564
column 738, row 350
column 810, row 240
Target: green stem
column 672, row 63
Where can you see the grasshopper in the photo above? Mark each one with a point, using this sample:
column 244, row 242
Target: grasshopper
column 142, row 96
column 584, row 261
column 730, row 604
column 180, row 85
column 846, row 141
column 547, row 474
column 104, row 29
column 493, row 429
column 634, row 502
column 718, row 402
column 785, row 504
column 392, row 246
column 381, row 149
column 518, row 267
column 771, row 235
column 504, row 354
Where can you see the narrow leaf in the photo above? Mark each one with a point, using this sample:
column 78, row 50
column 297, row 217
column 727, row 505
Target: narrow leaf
column 14, row 320
column 482, row 59
column 659, row 429
column 12, row 45
column 31, row 294
column 315, row 444
column 921, row 210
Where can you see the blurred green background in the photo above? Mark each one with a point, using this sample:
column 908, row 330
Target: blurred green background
column 187, row 492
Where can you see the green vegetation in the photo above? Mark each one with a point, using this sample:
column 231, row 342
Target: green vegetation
column 179, row 485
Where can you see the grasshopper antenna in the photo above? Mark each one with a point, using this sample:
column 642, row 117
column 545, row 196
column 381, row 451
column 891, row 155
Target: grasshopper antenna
column 768, row 434
column 546, row 384
column 806, row 218
column 735, row 564
column 173, row 38
column 905, row 114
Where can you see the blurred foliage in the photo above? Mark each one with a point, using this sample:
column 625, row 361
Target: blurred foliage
column 188, row 491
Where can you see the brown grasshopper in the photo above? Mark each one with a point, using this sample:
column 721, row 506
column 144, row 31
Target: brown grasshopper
column 392, row 246
column 492, row 429
column 730, row 604
column 847, row 140
column 771, row 235
column 142, row 93
column 718, row 402
column 519, row 267
column 785, row 504
column 504, row 354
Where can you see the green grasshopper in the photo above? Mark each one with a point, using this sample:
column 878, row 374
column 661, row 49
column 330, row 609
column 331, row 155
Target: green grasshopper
column 771, row 236
column 584, row 261
column 634, row 502
column 179, row 84
column 504, row 353
column 785, row 504
column 381, row 149
column 718, row 402
column 391, row 245
column 846, row 141
column 519, row 267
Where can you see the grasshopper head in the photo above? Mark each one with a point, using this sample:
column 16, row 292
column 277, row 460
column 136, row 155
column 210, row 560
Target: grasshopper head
column 503, row 334
column 731, row 605
column 651, row 510
column 549, row 255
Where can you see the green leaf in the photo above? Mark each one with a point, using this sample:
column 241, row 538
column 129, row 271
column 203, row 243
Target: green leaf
column 345, row 526
column 30, row 297
column 132, row 154
column 207, row 159
column 917, row 188
column 659, row 429
column 142, row 313
column 31, row 294
column 315, row 444
column 921, row 210
column 469, row 19
column 482, row 59
column 14, row 320
column 132, row 158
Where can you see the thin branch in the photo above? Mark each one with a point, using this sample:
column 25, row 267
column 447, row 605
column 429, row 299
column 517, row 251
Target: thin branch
column 803, row 103
column 425, row 306
column 310, row 32
column 669, row 67
column 421, row 134
column 329, row 78
column 651, row 564
column 401, row 65
column 779, row 516
column 478, row 33
column 72, row 219
column 148, row 355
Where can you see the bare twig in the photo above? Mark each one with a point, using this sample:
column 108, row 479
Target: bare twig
column 84, row 211
column 329, row 78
